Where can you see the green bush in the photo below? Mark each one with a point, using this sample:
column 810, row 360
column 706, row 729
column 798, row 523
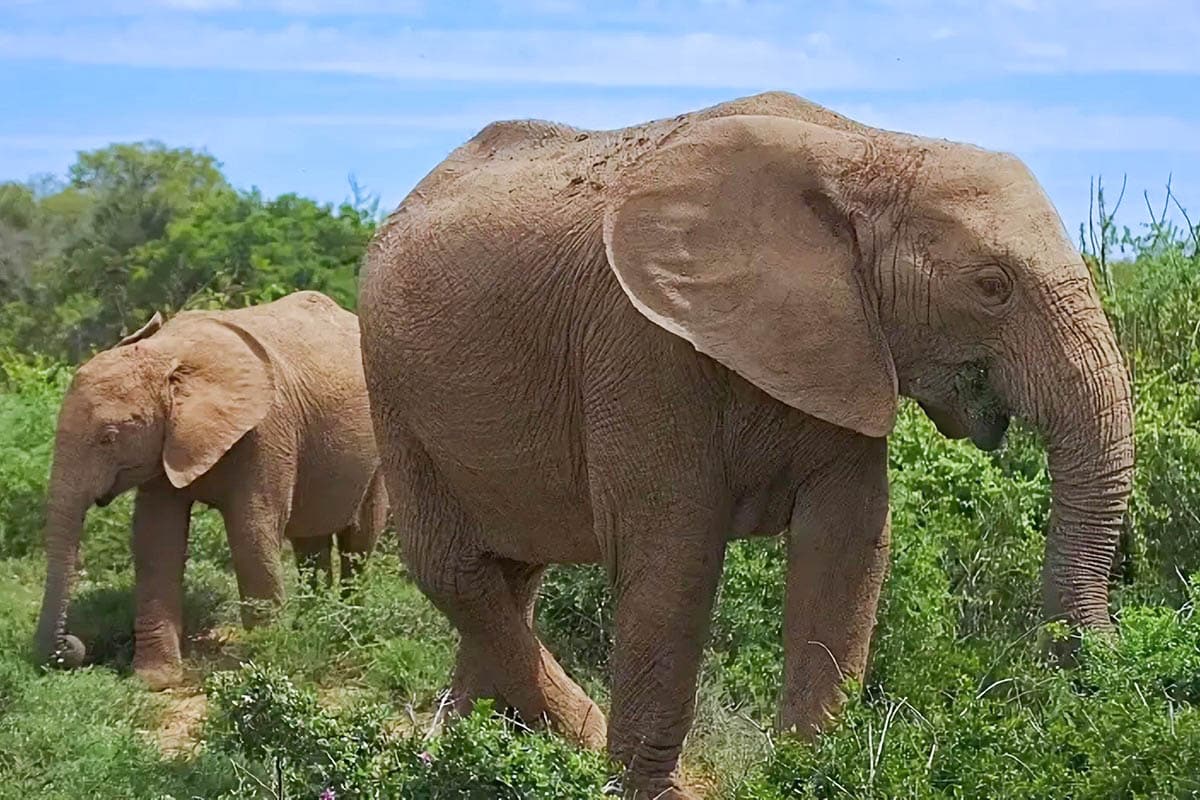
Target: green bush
column 1125, row 725
column 284, row 734
column 29, row 395
column 385, row 636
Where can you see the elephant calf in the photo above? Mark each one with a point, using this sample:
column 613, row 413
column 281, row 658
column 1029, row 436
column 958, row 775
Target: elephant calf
column 259, row 412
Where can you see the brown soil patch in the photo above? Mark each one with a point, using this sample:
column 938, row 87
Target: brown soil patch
column 178, row 732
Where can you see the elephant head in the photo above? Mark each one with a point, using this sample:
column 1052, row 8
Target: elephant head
column 837, row 267
column 163, row 401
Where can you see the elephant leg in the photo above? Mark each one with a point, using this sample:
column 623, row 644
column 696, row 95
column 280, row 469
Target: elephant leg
column 473, row 677
column 499, row 653
column 314, row 561
column 664, row 589
column 161, row 518
column 501, row 656
column 354, row 545
column 357, row 541
column 837, row 559
column 255, row 528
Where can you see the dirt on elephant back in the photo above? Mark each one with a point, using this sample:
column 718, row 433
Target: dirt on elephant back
column 178, row 732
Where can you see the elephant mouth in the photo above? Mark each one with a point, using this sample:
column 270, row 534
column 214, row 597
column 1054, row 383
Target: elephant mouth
column 972, row 411
column 985, row 431
column 107, row 498
column 989, row 434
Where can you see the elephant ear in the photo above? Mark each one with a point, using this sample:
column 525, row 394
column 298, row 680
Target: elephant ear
column 144, row 332
column 733, row 236
column 222, row 386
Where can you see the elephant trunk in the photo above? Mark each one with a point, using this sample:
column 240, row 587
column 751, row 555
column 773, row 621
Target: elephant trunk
column 67, row 505
column 1084, row 410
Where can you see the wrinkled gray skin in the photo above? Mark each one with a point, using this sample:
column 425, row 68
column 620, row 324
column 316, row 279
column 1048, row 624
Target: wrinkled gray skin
column 630, row 346
column 260, row 413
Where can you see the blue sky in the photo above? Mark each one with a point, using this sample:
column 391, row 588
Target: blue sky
column 294, row 95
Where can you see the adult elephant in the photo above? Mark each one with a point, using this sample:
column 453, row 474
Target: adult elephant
column 259, row 412
column 632, row 346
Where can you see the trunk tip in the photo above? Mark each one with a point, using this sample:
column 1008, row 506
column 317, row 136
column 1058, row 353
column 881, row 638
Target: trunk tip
column 67, row 652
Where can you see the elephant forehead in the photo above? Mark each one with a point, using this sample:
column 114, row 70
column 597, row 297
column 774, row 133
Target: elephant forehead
column 113, row 378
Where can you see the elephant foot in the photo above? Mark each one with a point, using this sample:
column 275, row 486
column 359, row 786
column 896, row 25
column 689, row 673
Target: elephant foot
column 805, row 723
column 560, row 703
column 580, row 720
column 157, row 678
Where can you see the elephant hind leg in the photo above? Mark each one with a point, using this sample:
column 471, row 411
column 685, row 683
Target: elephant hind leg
column 473, row 676
column 314, row 560
column 489, row 600
column 357, row 541
column 354, row 545
column 500, row 655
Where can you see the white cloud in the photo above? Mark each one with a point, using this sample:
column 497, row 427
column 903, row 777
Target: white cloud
column 68, row 143
column 884, row 44
column 536, row 57
column 200, row 5
column 1064, row 145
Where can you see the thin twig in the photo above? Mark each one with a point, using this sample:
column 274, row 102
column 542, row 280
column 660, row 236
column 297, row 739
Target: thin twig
column 841, row 675
column 439, row 716
column 1092, row 215
column 239, row 768
column 1193, row 230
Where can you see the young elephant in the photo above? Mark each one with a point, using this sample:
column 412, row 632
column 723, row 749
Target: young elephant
column 259, row 412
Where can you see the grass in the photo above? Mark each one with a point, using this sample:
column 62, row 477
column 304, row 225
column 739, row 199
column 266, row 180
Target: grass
column 958, row 701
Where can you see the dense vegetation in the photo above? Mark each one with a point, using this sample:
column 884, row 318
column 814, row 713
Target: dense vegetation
column 337, row 698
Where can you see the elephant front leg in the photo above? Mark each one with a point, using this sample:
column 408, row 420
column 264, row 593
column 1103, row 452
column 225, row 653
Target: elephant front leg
column 161, row 518
column 664, row 593
column 838, row 544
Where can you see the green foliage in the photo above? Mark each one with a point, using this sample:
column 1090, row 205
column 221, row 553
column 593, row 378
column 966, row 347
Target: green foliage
column 284, row 734
column 238, row 249
column 1125, row 725
column 29, row 393
column 575, row 617
column 78, row 734
column 141, row 228
column 385, row 635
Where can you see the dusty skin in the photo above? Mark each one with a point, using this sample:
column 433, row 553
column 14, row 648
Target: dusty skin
column 259, row 412
column 631, row 346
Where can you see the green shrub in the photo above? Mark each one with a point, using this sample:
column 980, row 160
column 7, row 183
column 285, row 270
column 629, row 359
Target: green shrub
column 575, row 617
column 81, row 733
column 385, row 636
column 1125, row 725
column 284, row 734
column 29, row 394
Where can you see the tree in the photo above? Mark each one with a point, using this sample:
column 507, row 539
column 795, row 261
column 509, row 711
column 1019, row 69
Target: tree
column 238, row 248
column 134, row 192
column 139, row 228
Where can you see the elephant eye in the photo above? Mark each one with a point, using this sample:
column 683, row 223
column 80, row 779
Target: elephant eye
column 994, row 285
